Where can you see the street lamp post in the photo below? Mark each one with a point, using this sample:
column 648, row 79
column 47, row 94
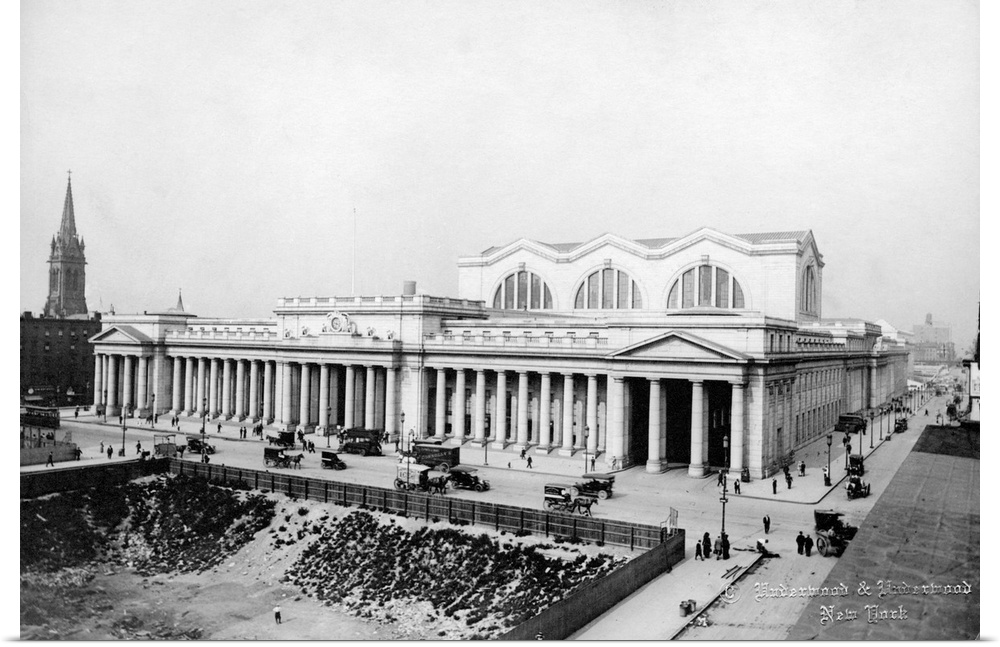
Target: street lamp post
column 724, row 499
column 586, row 433
column 328, row 425
column 124, row 423
column 153, row 411
column 847, row 451
column 402, row 425
column 204, row 419
column 104, row 406
column 829, row 444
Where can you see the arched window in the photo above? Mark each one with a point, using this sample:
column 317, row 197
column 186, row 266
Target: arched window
column 706, row 286
column 809, row 290
column 608, row 289
column 523, row 290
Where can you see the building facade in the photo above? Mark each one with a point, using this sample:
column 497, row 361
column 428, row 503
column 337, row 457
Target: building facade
column 703, row 351
column 56, row 353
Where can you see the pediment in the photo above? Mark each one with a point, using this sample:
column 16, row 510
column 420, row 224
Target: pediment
column 679, row 346
column 120, row 335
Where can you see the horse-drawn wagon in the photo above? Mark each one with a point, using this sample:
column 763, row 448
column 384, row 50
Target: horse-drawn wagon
column 276, row 457
column 284, row 439
column 411, row 476
column 560, row 498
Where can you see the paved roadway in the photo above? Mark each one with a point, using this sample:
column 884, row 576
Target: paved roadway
column 638, row 497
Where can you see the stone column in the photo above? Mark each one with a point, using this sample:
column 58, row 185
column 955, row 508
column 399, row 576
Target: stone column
column 479, row 416
column 189, row 371
column 268, row 416
column 873, row 400
column 142, row 397
column 567, row 425
column 522, row 410
column 202, row 390
column 592, row 414
column 654, row 462
column 440, row 412
column 545, row 415
column 98, row 381
column 241, row 395
column 324, row 398
column 178, row 384
column 500, row 435
column 334, row 396
column 616, row 433
column 227, row 389
column 696, row 468
column 127, row 377
column 458, row 409
column 736, row 448
column 254, row 407
column 112, row 385
column 349, row 398
column 286, row 396
column 213, row 389
column 369, row 397
column 304, row 382
column 391, row 413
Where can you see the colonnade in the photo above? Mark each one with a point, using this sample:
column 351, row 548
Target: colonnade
column 528, row 409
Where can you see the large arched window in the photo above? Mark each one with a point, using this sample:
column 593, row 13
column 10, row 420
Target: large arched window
column 809, row 290
column 706, row 286
column 523, row 290
column 608, row 289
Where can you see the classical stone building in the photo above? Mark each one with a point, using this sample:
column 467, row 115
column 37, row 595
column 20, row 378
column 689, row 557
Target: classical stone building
column 700, row 351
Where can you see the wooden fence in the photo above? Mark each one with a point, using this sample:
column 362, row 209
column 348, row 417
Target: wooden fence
column 431, row 507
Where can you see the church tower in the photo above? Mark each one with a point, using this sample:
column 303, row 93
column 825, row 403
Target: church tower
column 67, row 266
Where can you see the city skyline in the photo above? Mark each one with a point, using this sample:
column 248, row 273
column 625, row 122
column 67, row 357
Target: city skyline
column 224, row 151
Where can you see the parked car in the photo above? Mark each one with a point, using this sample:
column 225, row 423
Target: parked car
column 832, row 534
column 330, row 460
column 857, row 488
column 195, row 445
column 901, row 426
column 599, row 485
column 851, row 423
column 365, row 442
column 466, row 477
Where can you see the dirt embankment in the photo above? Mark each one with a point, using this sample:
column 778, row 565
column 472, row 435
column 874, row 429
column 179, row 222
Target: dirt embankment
column 177, row 559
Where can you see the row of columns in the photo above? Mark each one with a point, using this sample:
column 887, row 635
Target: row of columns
column 123, row 381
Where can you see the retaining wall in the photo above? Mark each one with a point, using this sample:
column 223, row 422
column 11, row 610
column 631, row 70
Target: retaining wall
column 62, row 479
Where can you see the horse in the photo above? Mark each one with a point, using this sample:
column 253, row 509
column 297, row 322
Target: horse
column 438, row 484
column 296, row 461
column 583, row 505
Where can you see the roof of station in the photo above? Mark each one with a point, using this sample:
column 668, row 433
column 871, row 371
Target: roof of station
column 658, row 243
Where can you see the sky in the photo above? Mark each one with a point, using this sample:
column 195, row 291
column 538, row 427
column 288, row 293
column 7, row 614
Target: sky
column 228, row 148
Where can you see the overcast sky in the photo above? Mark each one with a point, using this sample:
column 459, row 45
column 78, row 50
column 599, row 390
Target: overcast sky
column 223, row 147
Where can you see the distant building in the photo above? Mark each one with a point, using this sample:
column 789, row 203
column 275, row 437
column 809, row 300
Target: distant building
column 893, row 337
column 701, row 351
column 932, row 344
column 56, row 353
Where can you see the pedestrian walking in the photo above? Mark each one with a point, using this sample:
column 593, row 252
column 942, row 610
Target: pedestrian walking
column 736, row 484
column 523, row 452
column 800, row 542
column 767, row 524
column 802, row 468
column 774, row 486
column 180, row 450
column 697, row 551
column 788, row 480
column 102, row 446
column 50, row 461
column 109, row 452
column 277, row 615
column 138, row 447
column 219, row 430
column 725, row 546
column 722, row 477
column 718, row 548
column 529, row 463
column 809, row 545
column 76, row 412
column 706, row 545
column 593, row 461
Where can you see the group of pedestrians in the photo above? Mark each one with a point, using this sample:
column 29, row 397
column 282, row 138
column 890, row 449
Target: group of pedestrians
column 705, row 548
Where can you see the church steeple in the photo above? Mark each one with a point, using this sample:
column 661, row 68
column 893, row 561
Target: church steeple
column 67, row 229
column 67, row 266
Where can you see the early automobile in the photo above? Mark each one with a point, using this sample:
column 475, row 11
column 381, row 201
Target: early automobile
column 599, row 485
column 364, row 442
column 856, row 464
column 559, row 497
column 851, row 423
column 901, row 426
column 832, row 534
column 434, row 454
column 331, row 461
column 857, row 488
column 466, row 478
column 195, row 446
